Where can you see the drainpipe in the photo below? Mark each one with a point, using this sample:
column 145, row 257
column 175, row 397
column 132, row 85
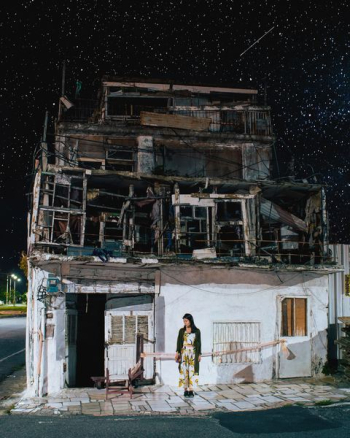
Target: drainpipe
column 41, row 363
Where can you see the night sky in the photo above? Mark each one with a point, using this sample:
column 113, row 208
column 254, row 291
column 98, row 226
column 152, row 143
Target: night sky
column 304, row 61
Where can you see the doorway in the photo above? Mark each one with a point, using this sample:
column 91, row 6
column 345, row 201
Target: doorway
column 85, row 339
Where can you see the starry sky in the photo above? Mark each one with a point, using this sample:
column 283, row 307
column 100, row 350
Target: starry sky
column 303, row 61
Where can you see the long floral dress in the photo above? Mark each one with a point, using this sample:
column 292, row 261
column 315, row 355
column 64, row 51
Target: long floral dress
column 188, row 378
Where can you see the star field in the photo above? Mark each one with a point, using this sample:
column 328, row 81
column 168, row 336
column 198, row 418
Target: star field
column 304, row 62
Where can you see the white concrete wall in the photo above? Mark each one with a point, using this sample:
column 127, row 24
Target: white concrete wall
column 239, row 302
column 35, row 351
column 233, row 295
column 44, row 355
column 339, row 303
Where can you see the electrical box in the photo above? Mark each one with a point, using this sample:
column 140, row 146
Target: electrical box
column 52, row 284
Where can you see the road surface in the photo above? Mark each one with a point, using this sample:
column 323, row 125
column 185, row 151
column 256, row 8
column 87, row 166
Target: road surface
column 12, row 344
column 288, row 422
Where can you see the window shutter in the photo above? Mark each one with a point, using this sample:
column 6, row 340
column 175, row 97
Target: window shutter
column 142, row 323
column 300, row 317
column 116, row 335
column 130, row 329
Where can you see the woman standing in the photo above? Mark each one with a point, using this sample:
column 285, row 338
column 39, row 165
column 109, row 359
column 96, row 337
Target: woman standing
column 188, row 355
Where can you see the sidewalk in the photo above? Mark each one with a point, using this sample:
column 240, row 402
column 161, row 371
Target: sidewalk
column 11, row 390
column 155, row 400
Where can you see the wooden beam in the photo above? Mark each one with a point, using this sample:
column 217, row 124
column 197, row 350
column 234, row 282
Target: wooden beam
column 175, row 121
column 176, row 87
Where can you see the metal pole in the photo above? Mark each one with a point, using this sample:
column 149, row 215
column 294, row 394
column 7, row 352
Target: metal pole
column 63, row 78
column 7, row 289
column 9, row 297
column 44, row 144
column 14, row 293
column 45, row 126
column 62, row 89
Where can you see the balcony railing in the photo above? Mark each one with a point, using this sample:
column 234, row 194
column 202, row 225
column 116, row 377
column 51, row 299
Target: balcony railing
column 82, row 111
column 249, row 122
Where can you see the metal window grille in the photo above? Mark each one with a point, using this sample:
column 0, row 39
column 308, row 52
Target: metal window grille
column 230, row 336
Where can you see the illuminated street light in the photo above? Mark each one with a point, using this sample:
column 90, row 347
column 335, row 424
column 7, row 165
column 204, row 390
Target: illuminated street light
column 14, row 278
column 14, row 291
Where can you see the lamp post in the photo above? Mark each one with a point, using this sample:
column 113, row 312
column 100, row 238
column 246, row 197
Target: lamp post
column 14, row 293
column 10, row 290
column 7, row 290
column 15, row 278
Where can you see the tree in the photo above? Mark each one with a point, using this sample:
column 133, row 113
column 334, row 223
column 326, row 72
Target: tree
column 23, row 263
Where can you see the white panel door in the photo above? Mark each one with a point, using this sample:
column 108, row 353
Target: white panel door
column 298, row 361
column 121, row 329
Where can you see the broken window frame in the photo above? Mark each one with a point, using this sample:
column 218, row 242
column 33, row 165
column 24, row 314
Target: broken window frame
column 44, row 230
column 211, row 201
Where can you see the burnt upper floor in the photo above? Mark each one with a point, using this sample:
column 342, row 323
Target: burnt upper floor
column 118, row 214
column 170, row 105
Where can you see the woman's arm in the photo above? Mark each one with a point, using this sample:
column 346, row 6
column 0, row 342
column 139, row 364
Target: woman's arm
column 178, row 346
column 199, row 344
column 179, row 341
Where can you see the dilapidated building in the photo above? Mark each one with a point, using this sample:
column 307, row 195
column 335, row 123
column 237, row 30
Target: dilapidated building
column 156, row 200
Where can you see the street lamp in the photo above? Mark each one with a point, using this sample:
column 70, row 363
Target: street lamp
column 14, row 292
column 14, row 278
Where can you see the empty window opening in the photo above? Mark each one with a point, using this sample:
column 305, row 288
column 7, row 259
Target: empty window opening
column 132, row 106
column 120, row 159
column 230, row 232
column 194, row 227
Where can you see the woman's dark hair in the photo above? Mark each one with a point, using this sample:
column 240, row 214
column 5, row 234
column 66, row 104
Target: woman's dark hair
column 190, row 318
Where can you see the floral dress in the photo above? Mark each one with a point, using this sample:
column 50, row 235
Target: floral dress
column 188, row 378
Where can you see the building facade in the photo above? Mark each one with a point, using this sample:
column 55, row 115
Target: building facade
column 157, row 200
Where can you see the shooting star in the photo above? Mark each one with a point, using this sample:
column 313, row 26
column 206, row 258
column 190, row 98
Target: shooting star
column 256, row 42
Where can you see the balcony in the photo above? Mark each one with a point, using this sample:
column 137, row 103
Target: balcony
column 250, row 121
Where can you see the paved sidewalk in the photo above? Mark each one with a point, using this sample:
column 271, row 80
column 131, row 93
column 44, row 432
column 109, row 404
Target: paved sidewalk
column 170, row 400
column 11, row 390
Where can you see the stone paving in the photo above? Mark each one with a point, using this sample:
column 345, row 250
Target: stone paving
column 155, row 400
column 11, row 390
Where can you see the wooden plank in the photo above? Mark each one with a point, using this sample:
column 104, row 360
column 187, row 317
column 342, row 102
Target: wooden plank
column 300, row 317
column 174, row 121
column 287, row 317
column 345, row 319
column 121, row 141
column 120, row 161
column 176, row 87
column 92, row 160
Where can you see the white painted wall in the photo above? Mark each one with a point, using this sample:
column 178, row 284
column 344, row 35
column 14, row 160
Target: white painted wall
column 250, row 295
column 44, row 359
column 239, row 302
column 339, row 303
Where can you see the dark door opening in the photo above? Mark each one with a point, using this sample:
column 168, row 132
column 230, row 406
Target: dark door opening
column 90, row 338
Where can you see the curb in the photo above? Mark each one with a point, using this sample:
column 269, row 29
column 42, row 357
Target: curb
column 13, row 316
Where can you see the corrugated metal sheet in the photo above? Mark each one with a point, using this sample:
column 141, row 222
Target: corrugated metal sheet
column 175, row 121
column 274, row 212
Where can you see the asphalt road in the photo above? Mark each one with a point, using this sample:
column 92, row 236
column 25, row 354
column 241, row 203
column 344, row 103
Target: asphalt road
column 12, row 341
column 288, row 422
